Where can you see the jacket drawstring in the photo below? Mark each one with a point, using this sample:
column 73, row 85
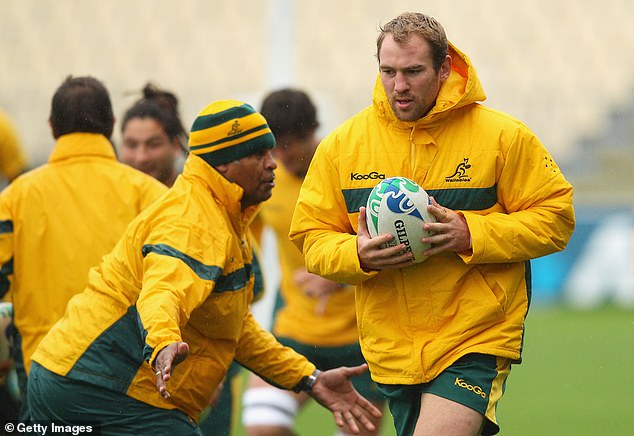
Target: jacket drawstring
column 412, row 152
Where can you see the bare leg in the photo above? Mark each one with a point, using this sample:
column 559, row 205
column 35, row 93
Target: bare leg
column 439, row 416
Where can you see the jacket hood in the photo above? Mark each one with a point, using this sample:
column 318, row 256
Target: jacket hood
column 462, row 88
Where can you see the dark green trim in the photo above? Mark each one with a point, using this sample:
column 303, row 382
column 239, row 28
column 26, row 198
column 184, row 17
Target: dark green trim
column 457, row 199
column 230, row 138
column 206, row 121
column 114, row 357
column 224, row 283
column 355, row 198
column 205, row 272
column 235, row 281
column 5, row 272
column 238, row 151
column 466, row 198
column 6, row 226
column 258, row 278
column 528, row 277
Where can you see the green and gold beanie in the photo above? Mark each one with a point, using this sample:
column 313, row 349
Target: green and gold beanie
column 228, row 130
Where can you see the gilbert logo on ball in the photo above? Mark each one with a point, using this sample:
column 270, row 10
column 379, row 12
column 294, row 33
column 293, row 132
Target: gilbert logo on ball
column 398, row 206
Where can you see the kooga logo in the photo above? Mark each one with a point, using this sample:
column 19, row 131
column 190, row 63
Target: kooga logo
column 373, row 176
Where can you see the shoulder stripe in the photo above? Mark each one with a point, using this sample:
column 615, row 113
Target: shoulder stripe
column 234, row 281
column 205, row 272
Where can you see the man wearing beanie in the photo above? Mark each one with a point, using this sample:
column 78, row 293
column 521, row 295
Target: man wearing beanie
column 143, row 347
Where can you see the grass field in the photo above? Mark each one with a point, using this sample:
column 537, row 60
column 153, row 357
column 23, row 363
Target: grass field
column 577, row 378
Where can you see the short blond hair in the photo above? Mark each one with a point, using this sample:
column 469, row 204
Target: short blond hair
column 408, row 23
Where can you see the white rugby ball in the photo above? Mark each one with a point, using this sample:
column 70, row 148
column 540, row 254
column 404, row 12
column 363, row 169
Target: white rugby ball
column 398, row 206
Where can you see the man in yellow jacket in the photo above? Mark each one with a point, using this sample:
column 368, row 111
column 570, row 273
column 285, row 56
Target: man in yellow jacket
column 59, row 219
column 439, row 336
column 176, row 290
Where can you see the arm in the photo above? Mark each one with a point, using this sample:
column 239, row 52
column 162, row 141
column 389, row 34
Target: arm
column 174, row 284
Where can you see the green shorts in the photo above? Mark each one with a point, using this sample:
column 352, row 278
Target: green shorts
column 475, row 380
column 326, row 358
column 53, row 398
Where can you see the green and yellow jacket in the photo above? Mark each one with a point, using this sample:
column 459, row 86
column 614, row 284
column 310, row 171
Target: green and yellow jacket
column 416, row 321
column 57, row 221
column 181, row 272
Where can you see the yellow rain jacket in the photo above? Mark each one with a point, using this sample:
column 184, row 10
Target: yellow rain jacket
column 57, row 221
column 181, row 272
column 416, row 321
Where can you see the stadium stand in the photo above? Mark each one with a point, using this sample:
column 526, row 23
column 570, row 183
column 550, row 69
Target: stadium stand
column 564, row 68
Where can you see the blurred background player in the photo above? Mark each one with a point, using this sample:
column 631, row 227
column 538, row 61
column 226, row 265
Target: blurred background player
column 153, row 137
column 12, row 163
column 57, row 220
column 304, row 299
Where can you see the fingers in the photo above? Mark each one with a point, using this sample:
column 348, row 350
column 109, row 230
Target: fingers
column 439, row 212
column 353, row 371
column 358, row 414
column 363, row 225
column 161, row 386
column 165, row 361
column 351, row 421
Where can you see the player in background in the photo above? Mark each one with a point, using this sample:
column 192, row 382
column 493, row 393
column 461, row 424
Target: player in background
column 304, row 299
column 439, row 336
column 57, row 220
column 167, row 311
column 153, row 136
column 12, row 163
column 12, row 159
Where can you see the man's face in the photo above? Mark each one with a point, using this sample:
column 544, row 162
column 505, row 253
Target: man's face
column 295, row 154
column 255, row 174
column 147, row 148
column 408, row 76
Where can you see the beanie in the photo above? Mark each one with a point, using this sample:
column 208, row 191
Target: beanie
column 228, row 130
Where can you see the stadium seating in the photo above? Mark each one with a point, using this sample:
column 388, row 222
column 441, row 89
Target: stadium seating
column 561, row 67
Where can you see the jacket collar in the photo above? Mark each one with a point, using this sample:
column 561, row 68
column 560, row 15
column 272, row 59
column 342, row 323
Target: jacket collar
column 227, row 193
column 82, row 144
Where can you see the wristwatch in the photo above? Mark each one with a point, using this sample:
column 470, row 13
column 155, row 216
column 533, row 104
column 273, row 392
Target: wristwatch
column 307, row 382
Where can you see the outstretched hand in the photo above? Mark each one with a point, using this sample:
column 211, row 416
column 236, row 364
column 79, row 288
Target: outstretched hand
column 165, row 362
column 333, row 390
column 373, row 253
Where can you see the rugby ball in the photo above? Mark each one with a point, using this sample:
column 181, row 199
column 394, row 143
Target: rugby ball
column 398, row 206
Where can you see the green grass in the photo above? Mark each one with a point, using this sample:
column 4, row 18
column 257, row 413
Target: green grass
column 577, row 378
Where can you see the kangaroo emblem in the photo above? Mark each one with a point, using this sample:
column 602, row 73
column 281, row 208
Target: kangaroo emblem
column 461, row 169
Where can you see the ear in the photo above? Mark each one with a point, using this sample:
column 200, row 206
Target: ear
column 445, row 68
